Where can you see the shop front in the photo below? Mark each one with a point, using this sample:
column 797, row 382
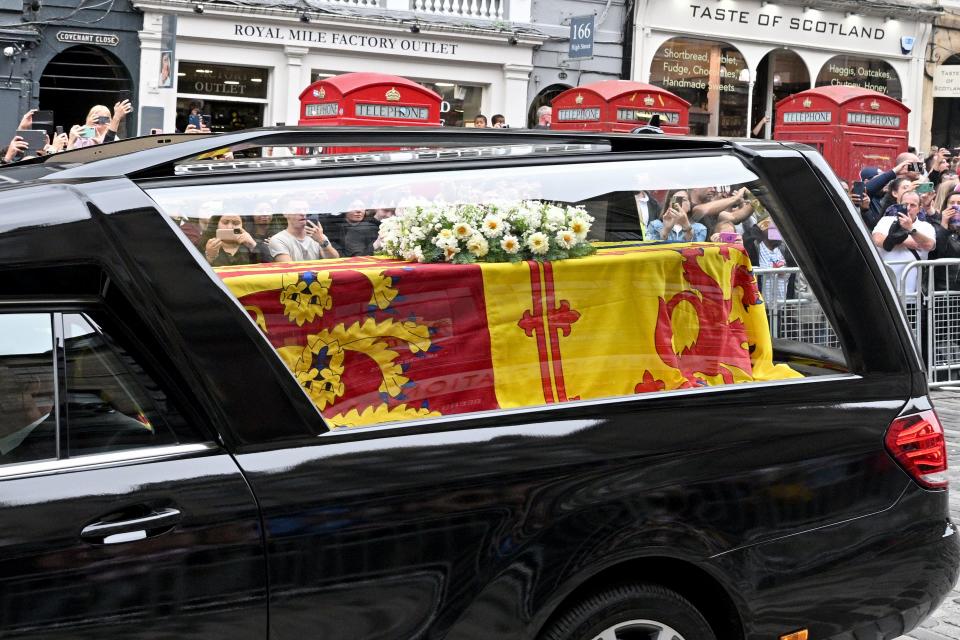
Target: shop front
column 67, row 68
column 246, row 69
column 735, row 62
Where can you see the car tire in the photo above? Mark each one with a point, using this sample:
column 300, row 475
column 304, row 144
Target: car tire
column 626, row 612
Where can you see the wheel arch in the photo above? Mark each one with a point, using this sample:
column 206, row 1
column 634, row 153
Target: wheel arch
column 695, row 584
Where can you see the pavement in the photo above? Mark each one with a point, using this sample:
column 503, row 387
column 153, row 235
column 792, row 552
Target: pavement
column 944, row 623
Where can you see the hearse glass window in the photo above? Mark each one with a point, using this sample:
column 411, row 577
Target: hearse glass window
column 410, row 296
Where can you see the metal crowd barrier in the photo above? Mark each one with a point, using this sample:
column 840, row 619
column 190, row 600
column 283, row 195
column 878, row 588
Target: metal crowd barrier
column 792, row 310
column 929, row 291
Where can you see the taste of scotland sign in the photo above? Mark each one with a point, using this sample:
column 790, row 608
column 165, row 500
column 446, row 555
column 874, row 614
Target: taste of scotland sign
column 80, row 37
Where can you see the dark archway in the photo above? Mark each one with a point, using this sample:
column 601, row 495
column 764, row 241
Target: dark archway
column 780, row 74
column 545, row 97
column 80, row 77
column 945, row 131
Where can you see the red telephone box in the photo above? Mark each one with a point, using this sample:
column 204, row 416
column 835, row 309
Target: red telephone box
column 619, row 105
column 369, row 99
column 852, row 127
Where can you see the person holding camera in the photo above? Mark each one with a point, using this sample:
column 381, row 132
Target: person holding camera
column 100, row 126
column 674, row 224
column 225, row 243
column 880, row 186
column 904, row 238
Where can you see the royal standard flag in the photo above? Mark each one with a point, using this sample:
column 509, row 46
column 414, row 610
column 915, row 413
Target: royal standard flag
column 374, row 340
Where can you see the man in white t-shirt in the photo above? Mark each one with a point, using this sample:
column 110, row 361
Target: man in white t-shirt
column 903, row 239
column 302, row 239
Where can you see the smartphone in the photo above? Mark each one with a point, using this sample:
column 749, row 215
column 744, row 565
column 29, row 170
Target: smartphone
column 87, row 132
column 925, row 187
column 773, row 233
column 59, row 129
column 900, row 209
column 206, row 119
column 194, row 119
column 101, row 120
column 228, row 234
column 859, row 188
column 918, row 167
column 36, row 138
column 726, row 236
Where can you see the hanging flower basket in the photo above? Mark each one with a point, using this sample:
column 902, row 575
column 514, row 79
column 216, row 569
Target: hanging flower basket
column 496, row 232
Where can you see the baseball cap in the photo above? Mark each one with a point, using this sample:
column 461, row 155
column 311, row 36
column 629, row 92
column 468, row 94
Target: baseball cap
column 868, row 173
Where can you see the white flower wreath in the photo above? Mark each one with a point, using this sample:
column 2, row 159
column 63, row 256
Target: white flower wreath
column 495, row 232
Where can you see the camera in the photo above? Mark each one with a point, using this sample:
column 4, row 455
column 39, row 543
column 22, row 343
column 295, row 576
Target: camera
column 228, row 234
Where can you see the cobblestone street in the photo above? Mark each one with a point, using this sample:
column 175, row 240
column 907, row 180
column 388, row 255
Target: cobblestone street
column 944, row 624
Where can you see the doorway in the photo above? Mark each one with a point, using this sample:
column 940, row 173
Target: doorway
column 780, row 74
column 545, row 97
column 80, row 77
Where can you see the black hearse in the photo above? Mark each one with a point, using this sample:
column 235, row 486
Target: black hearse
column 666, row 438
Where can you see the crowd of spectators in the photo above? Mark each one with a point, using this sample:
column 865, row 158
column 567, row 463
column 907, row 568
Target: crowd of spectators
column 101, row 125
column 913, row 212
column 228, row 234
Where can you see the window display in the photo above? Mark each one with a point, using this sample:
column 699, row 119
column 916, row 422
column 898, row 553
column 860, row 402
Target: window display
column 712, row 76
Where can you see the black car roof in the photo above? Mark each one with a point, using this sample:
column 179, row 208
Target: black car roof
column 160, row 156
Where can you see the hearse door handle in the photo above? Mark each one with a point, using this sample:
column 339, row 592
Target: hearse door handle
column 114, row 532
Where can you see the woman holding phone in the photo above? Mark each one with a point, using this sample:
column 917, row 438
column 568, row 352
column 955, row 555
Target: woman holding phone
column 226, row 243
column 674, row 224
column 100, row 126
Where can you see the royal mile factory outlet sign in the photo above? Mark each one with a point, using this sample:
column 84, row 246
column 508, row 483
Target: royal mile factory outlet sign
column 342, row 40
column 783, row 24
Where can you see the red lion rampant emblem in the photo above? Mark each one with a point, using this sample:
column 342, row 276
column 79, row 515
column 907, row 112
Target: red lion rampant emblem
column 720, row 344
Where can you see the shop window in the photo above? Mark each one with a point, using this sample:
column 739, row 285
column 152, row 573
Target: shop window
column 228, row 98
column 860, row 71
column 712, row 76
column 373, row 339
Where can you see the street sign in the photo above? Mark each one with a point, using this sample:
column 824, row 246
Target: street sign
column 581, row 37
column 946, row 82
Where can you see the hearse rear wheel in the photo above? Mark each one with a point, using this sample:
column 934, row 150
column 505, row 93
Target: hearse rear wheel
column 631, row 612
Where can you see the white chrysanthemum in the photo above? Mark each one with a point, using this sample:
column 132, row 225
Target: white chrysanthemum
column 580, row 227
column 462, row 230
column 566, row 238
column 477, row 245
column 450, row 252
column 538, row 243
column 510, row 244
column 492, row 226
